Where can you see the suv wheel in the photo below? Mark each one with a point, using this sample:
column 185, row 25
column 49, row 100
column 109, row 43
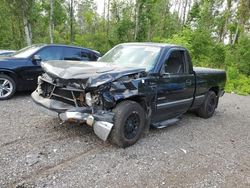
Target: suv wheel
column 129, row 123
column 7, row 87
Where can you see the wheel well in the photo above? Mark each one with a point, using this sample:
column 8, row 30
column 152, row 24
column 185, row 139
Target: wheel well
column 8, row 74
column 215, row 89
column 140, row 100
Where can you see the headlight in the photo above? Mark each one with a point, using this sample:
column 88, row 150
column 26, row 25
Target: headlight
column 88, row 99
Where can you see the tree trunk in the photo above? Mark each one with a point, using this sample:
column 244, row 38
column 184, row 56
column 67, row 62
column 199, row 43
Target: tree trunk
column 27, row 30
column 184, row 12
column 175, row 5
column 164, row 24
column 189, row 7
column 30, row 31
column 104, row 15
column 71, row 21
column 178, row 11
column 224, row 27
column 108, row 21
column 51, row 24
column 236, row 35
column 137, row 9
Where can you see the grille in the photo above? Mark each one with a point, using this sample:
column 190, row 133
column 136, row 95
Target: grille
column 74, row 98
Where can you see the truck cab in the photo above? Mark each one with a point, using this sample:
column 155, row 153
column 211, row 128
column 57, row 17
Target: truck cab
column 175, row 84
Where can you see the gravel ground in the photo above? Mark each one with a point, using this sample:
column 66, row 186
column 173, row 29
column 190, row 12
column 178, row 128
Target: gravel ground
column 36, row 151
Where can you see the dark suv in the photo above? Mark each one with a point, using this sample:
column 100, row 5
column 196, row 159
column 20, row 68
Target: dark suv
column 20, row 71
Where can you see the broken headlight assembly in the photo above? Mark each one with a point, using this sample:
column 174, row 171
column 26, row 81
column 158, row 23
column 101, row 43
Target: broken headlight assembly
column 91, row 99
column 88, row 99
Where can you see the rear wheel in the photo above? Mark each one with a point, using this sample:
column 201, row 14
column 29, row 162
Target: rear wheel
column 129, row 123
column 208, row 107
column 7, row 87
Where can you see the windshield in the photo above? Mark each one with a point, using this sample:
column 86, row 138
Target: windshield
column 26, row 52
column 137, row 56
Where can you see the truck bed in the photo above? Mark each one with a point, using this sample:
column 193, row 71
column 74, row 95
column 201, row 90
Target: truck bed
column 208, row 78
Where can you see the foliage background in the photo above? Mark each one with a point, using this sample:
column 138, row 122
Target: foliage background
column 216, row 32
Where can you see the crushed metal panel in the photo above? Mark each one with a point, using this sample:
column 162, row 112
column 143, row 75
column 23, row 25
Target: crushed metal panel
column 96, row 73
column 102, row 129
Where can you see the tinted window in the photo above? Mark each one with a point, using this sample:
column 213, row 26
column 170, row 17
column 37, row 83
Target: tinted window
column 95, row 56
column 85, row 56
column 175, row 63
column 72, row 54
column 51, row 53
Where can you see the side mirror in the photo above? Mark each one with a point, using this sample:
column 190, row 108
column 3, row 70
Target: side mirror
column 36, row 58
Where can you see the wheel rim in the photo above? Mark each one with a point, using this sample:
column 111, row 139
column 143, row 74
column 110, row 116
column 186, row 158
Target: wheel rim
column 6, row 87
column 131, row 126
column 211, row 105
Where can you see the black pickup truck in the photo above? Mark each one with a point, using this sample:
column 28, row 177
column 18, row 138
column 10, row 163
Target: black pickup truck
column 132, row 87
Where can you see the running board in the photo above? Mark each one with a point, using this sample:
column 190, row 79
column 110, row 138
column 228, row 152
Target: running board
column 165, row 123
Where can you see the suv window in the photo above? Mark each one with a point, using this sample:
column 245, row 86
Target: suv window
column 51, row 53
column 75, row 54
column 85, row 56
column 94, row 57
column 175, row 64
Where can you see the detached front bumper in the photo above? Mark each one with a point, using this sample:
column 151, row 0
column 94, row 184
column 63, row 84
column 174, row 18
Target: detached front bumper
column 100, row 120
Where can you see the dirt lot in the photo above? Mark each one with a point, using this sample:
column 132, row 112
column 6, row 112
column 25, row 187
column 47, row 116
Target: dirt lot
column 36, row 151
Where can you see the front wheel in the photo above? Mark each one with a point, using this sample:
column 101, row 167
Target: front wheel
column 129, row 123
column 208, row 107
column 7, row 87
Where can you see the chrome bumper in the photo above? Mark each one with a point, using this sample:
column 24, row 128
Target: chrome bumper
column 101, row 128
column 100, row 120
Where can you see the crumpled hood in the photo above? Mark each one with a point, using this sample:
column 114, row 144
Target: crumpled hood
column 96, row 73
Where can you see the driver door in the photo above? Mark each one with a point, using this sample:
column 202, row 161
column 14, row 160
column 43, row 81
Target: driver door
column 175, row 88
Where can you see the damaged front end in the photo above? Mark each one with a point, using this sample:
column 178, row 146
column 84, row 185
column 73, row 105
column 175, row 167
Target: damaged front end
column 72, row 105
column 85, row 100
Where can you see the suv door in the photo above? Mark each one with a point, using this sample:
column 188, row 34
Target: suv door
column 34, row 69
column 175, row 87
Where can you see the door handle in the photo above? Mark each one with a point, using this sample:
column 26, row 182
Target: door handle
column 188, row 82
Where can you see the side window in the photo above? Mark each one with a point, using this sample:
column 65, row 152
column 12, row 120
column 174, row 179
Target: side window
column 175, row 64
column 96, row 56
column 72, row 54
column 51, row 53
column 85, row 56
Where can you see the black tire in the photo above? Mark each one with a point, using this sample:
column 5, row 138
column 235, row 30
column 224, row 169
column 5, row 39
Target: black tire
column 129, row 123
column 4, row 94
column 208, row 107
